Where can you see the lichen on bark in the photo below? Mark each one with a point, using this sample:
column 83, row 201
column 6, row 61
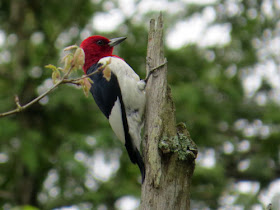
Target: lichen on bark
column 182, row 144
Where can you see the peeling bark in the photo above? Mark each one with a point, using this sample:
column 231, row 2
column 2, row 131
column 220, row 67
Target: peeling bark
column 169, row 153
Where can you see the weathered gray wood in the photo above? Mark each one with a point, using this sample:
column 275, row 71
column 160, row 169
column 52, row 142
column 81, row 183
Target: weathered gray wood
column 168, row 151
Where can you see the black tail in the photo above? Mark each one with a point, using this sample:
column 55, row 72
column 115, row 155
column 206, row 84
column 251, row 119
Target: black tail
column 132, row 150
column 140, row 164
column 136, row 158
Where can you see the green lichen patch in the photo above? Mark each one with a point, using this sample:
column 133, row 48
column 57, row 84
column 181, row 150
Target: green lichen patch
column 181, row 144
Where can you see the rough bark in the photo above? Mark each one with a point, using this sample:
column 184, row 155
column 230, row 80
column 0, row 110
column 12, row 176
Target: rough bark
column 168, row 151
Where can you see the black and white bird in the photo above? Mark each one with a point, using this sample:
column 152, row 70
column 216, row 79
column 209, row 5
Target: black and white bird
column 118, row 92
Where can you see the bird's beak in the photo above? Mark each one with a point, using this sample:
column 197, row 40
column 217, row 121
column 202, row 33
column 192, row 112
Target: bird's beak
column 115, row 41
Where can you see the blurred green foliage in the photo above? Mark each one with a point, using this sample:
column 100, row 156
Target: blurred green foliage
column 46, row 152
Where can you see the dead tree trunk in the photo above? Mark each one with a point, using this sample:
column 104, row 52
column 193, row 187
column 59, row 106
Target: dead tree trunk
column 168, row 150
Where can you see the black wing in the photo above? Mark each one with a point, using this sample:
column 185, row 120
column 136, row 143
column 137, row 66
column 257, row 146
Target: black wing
column 105, row 94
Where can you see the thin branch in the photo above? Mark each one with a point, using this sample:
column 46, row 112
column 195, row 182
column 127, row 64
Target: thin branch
column 152, row 70
column 75, row 80
column 63, row 80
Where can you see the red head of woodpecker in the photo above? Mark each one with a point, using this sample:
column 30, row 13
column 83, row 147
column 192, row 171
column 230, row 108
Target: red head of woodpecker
column 121, row 96
column 97, row 47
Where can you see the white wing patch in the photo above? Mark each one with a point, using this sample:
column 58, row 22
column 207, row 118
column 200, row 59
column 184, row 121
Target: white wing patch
column 133, row 97
column 115, row 120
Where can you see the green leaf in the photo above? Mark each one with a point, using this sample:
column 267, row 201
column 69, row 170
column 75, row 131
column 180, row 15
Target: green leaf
column 79, row 58
column 56, row 76
column 50, row 66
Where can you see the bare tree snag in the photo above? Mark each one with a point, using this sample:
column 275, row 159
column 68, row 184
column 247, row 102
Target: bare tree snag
column 169, row 153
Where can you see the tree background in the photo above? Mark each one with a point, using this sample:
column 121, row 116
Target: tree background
column 62, row 152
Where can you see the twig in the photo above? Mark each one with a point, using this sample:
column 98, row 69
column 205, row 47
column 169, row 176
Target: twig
column 154, row 69
column 63, row 80
column 75, row 81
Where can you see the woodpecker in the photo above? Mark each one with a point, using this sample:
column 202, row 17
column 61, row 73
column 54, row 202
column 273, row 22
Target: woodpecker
column 120, row 94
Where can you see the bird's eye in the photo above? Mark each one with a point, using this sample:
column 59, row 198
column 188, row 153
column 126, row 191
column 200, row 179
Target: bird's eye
column 100, row 42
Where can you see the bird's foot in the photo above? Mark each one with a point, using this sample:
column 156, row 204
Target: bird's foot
column 141, row 85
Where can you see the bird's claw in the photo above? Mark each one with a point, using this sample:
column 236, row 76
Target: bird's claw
column 141, row 85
